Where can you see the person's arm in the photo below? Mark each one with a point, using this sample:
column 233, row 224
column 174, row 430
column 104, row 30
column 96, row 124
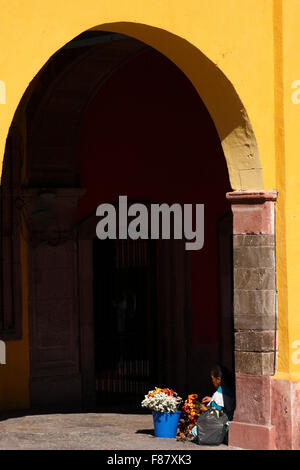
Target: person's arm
column 204, row 400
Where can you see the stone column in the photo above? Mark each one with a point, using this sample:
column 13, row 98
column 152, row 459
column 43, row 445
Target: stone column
column 54, row 317
column 254, row 316
column 49, row 214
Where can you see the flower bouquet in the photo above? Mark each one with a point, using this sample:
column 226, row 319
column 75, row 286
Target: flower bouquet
column 162, row 399
column 190, row 414
column 164, row 404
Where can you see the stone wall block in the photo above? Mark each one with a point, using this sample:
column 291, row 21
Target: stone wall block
column 259, row 302
column 254, row 278
column 257, row 322
column 253, row 399
column 255, row 363
column 255, row 341
column 254, row 257
column 253, row 240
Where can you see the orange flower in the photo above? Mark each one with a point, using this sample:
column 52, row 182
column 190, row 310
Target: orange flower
column 167, row 391
column 189, row 416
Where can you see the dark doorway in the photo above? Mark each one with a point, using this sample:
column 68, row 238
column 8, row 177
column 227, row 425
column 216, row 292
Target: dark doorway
column 164, row 149
column 125, row 320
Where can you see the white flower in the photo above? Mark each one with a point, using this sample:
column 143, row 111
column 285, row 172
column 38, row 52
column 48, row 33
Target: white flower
column 161, row 401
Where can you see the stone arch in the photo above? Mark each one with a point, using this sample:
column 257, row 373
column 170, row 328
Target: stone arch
column 216, row 91
column 53, row 150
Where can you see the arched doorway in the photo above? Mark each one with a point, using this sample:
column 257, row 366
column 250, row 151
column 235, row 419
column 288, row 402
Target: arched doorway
column 62, row 104
column 157, row 143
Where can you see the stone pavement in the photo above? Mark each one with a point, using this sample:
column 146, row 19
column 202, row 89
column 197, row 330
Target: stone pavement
column 86, row 431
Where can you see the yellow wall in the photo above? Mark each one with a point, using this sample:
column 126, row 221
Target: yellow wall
column 287, row 181
column 251, row 42
column 14, row 375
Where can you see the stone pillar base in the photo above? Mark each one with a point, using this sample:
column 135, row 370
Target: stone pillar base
column 251, row 436
column 255, row 326
column 267, row 416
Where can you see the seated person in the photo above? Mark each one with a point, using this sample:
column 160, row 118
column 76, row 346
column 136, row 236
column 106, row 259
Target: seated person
column 223, row 398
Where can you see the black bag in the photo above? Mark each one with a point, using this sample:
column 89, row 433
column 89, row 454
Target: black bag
column 211, row 427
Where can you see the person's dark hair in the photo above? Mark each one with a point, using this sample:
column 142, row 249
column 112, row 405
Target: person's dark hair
column 220, row 371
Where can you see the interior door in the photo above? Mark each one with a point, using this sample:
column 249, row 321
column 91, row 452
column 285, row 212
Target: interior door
column 124, row 306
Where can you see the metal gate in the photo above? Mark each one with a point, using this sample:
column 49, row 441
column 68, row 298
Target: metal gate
column 124, row 300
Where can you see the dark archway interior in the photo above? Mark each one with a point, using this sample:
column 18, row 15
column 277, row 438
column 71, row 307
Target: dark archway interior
column 114, row 117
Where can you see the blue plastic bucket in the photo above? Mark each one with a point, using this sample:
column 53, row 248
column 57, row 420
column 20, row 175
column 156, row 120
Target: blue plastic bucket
column 165, row 424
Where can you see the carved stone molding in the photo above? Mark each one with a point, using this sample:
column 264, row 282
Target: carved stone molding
column 253, row 211
column 49, row 214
